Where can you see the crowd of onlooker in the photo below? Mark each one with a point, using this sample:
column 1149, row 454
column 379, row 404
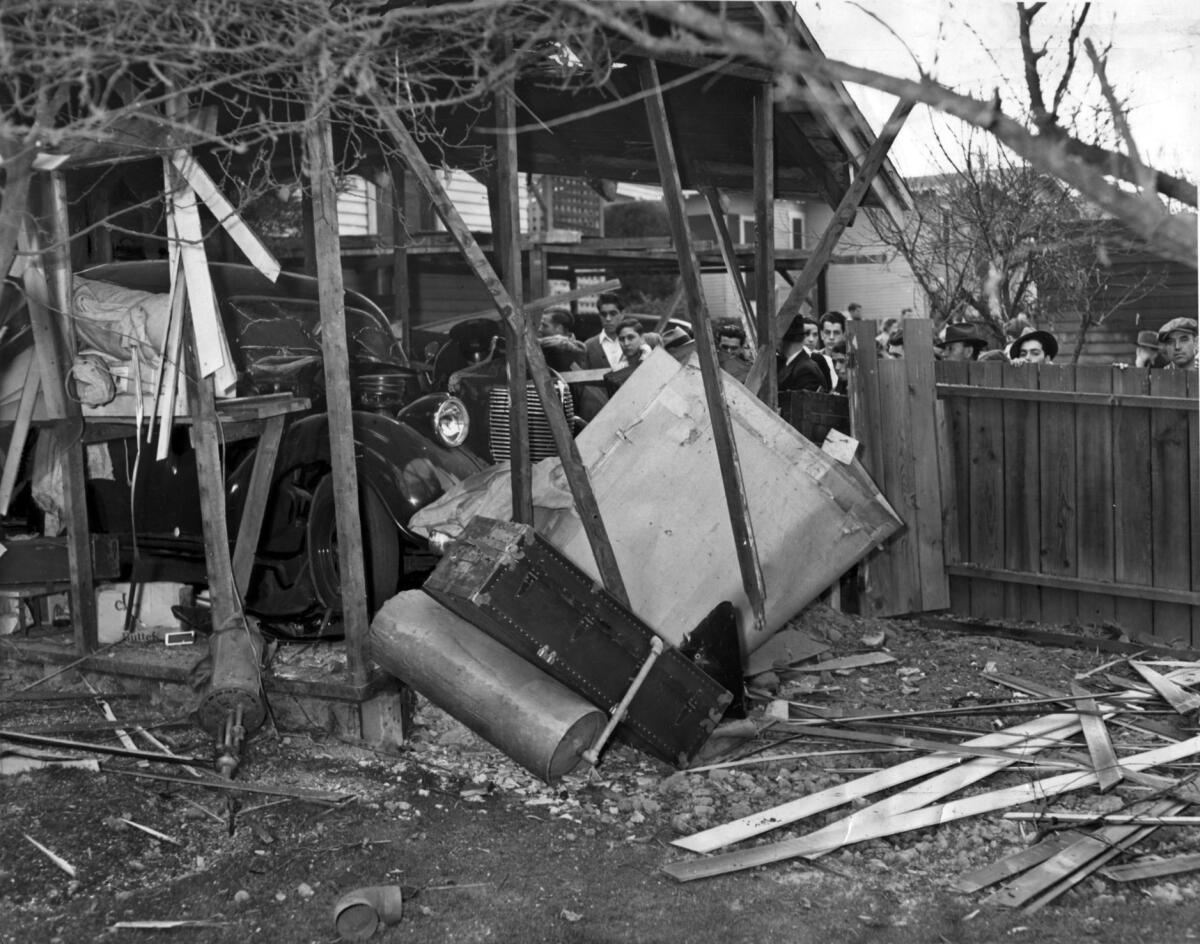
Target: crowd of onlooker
column 813, row 353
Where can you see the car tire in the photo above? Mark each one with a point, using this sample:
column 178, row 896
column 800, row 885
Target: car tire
column 382, row 550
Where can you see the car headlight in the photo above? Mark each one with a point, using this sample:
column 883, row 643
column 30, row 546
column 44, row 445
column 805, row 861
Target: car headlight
column 451, row 422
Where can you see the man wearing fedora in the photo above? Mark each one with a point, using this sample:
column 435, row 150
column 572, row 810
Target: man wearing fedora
column 1178, row 340
column 960, row 342
column 1034, row 347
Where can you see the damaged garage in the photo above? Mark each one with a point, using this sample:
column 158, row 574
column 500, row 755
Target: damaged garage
column 291, row 651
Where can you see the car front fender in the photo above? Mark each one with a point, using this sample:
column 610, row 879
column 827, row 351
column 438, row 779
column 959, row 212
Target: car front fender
column 406, row 470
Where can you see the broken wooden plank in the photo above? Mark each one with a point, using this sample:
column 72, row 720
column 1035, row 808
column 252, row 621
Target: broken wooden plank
column 1055, row 872
column 1058, row 727
column 1041, row 637
column 785, row 648
column 927, row 744
column 1016, row 863
column 882, row 819
column 1108, row 819
column 151, row 832
column 212, row 348
column 1095, row 732
column 207, row 190
column 20, row 433
column 53, row 856
column 18, row 737
column 237, row 786
column 1155, row 868
column 1175, row 695
column 1045, row 691
column 846, row 662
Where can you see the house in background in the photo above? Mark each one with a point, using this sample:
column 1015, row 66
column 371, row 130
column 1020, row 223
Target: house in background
column 864, row 268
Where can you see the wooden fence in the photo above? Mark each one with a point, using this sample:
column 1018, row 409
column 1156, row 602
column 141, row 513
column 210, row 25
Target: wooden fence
column 1054, row 494
column 1073, row 495
column 894, row 414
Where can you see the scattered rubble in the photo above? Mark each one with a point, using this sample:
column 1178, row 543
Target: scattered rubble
column 638, row 802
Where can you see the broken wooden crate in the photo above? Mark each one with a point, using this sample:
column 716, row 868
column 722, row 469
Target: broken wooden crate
column 510, row 582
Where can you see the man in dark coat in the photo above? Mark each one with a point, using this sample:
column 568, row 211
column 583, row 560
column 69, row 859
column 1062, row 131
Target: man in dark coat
column 797, row 369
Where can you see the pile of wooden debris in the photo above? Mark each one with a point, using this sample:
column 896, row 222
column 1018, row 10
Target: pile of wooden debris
column 1107, row 734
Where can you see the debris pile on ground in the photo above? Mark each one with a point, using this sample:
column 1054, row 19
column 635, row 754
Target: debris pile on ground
column 326, row 799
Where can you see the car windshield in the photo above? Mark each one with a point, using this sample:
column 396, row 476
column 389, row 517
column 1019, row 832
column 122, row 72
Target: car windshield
column 278, row 329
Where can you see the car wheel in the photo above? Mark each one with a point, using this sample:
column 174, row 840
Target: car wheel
column 382, row 551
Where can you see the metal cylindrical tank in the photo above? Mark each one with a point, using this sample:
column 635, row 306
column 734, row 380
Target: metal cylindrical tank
column 236, row 653
column 509, row 702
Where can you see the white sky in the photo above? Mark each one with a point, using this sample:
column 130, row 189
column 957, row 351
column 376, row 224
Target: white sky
column 973, row 46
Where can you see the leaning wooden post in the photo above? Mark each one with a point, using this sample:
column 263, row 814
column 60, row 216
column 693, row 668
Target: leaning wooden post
column 397, row 286
column 577, row 480
column 875, row 157
column 318, row 142
column 725, row 241
column 44, row 299
column 506, row 229
column 710, row 371
column 764, row 239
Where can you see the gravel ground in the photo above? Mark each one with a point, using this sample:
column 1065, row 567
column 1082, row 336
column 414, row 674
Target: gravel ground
column 446, row 781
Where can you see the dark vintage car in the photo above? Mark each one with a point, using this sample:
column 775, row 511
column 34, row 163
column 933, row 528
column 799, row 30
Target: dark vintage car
column 409, row 445
column 468, row 359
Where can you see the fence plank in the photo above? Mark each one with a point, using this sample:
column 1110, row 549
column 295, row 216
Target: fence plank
column 1171, row 503
column 958, row 544
column 898, row 485
column 945, row 452
column 1094, row 493
column 1022, row 535
column 866, row 421
column 933, row 593
column 1133, row 562
column 1056, row 423
column 986, row 504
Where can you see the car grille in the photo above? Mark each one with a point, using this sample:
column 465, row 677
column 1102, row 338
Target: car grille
column 541, row 440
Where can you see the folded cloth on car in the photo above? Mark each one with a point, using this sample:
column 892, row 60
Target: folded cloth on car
column 112, row 319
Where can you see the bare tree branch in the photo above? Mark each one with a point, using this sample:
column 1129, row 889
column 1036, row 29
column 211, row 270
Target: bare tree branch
column 1174, row 235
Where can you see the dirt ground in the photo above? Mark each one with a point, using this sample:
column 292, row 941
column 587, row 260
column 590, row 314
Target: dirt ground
column 485, row 852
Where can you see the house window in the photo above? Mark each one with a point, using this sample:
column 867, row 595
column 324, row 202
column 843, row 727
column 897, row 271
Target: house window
column 741, row 229
column 797, row 232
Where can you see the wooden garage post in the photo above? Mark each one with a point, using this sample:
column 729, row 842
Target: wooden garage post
column 764, row 239
column 799, row 292
column 714, row 392
column 506, row 230
column 725, row 241
column 49, row 305
column 577, row 480
column 332, row 298
column 395, row 212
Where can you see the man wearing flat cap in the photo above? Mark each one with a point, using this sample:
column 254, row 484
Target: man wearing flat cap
column 1178, row 340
